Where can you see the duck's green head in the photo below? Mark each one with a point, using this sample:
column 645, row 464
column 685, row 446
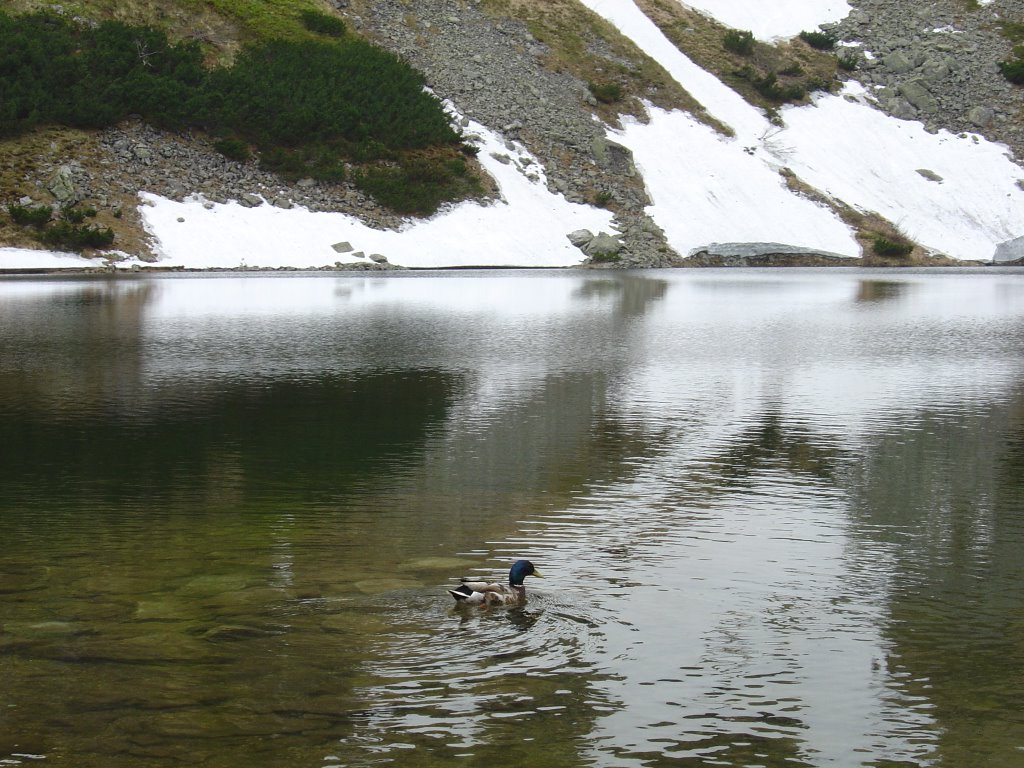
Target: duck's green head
column 520, row 570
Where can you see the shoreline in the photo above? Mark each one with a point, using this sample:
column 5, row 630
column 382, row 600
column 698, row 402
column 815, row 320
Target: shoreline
column 691, row 263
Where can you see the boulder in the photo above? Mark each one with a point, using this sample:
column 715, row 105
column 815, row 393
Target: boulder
column 603, row 246
column 1009, row 250
column 898, row 63
column 981, row 116
column 917, row 93
column 580, row 237
column 62, row 186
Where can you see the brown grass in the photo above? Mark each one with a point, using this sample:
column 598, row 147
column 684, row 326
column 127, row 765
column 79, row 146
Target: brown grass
column 29, row 162
column 700, row 38
column 594, row 51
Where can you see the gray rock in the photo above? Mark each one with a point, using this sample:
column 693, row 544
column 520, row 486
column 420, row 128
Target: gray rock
column 377, row 258
column 935, row 70
column 898, row 63
column 580, row 237
column 981, row 116
column 249, row 200
column 1009, row 250
column 917, row 93
column 900, row 108
column 62, row 186
column 603, row 245
column 930, row 175
column 343, row 247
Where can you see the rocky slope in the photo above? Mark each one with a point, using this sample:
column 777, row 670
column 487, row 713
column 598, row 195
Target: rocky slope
column 938, row 62
column 484, row 58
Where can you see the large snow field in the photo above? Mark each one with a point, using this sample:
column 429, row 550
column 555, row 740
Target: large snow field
column 707, row 187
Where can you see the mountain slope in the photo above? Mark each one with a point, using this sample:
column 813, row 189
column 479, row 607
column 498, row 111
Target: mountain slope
column 589, row 117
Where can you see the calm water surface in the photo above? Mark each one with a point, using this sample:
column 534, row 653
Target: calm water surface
column 780, row 516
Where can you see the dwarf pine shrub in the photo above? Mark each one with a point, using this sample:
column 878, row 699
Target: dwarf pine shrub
column 822, row 41
column 740, row 42
column 893, row 247
column 323, row 24
column 30, row 216
column 606, row 93
column 1013, row 70
column 306, row 105
column 76, row 237
column 233, row 148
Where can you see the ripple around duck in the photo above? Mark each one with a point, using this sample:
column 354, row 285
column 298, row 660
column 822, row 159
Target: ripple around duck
column 461, row 680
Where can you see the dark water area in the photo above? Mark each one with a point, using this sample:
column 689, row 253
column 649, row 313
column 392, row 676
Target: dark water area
column 779, row 514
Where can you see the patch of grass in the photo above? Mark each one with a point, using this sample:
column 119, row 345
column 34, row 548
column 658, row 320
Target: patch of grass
column 798, row 69
column 591, row 49
column 323, row 24
column 261, row 20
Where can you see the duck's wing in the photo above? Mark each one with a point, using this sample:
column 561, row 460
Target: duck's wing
column 484, row 586
column 464, row 594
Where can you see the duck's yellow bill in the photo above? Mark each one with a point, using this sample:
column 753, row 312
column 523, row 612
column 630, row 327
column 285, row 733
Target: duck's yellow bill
column 537, row 573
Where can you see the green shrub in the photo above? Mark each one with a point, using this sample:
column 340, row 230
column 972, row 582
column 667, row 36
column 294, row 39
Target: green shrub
column 606, row 93
column 769, row 87
column 1012, row 31
column 77, row 215
column 233, row 149
column 288, row 93
column 417, row 186
column 316, row 162
column 323, row 24
column 740, row 42
column 822, row 41
column 307, row 106
column 76, row 237
column 30, row 216
column 848, row 61
column 1013, row 70
column 895, row 247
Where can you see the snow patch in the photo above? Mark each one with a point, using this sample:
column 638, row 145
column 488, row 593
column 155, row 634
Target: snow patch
column 775, row 19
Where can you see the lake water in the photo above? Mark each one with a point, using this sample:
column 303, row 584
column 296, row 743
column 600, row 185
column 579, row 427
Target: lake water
column 780, row 517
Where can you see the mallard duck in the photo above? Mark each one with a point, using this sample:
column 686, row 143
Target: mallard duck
column 484, row 593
